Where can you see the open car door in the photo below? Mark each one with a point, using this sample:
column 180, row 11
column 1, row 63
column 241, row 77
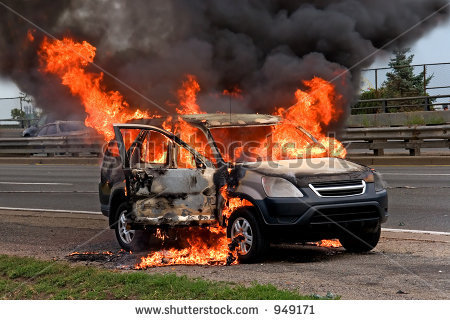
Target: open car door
column 160, row 189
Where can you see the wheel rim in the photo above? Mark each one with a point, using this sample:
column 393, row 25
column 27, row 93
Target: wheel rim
column 242, row 226
column 125, row 235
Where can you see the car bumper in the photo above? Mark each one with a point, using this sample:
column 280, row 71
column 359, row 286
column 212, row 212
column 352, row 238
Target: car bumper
column 317, row 211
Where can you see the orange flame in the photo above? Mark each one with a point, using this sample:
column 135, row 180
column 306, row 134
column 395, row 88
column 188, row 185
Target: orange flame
column 207, row 246
column 30, row 35
column 68, row 60
column 204, row 247
column 334, row 243
column 314, row 110
column 234, row 92
column 187, row 95
column 231, row 204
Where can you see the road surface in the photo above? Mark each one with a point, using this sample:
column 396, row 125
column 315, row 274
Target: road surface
column 419, row 196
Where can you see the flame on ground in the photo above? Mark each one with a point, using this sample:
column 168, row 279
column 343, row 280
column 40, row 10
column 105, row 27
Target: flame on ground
column 333, row 243
column 204, row 246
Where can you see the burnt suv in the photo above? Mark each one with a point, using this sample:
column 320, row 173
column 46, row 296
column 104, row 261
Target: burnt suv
column 186, row 175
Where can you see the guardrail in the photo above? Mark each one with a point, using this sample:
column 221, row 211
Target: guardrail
column 51, row 146
column 377, row 139
column 410, row 138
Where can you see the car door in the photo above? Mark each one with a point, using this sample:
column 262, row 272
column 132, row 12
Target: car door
column 161, row 192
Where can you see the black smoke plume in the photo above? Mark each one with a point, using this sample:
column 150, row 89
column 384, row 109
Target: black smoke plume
column 265, row 47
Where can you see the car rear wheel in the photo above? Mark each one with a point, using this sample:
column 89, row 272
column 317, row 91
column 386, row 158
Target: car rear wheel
column 361, row 241
column 252, row 244
column 129, row 240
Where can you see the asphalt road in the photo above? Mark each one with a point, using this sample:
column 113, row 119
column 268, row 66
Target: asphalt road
column 419, row 196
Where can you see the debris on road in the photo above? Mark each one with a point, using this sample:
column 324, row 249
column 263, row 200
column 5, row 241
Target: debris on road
column 106, row 256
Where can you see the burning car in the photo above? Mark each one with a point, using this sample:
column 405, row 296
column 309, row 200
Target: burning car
column 226, row 170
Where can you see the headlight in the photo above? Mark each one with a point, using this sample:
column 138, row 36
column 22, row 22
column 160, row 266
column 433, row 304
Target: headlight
column 369, row 178
column 380, row 185
column 279, row 188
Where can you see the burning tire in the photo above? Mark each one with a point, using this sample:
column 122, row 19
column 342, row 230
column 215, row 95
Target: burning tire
column 361, row 241
column 253, row 245
column 129, row 240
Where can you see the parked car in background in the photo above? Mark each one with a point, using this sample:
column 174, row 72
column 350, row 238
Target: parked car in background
column 64, row 128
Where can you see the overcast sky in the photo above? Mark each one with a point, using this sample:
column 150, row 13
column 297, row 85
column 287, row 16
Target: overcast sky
column 432, row 48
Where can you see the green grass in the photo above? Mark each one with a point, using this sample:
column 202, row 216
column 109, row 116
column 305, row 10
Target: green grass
column 29, row 278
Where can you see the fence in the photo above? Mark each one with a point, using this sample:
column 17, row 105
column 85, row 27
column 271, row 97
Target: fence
column 387, row 105
column 434, row 91
column 374, row 78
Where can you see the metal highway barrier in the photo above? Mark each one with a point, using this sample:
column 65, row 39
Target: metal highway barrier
column 51, row 146
column 412, row 138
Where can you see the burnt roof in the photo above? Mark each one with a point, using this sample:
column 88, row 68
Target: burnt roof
column 218, row 120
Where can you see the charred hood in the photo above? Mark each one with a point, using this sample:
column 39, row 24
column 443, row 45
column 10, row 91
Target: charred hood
column 301, row 172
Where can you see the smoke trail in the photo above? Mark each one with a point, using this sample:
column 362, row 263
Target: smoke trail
column 266, row 47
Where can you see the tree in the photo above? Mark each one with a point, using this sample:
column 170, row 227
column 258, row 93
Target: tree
column 402, row 82
column 17, row 114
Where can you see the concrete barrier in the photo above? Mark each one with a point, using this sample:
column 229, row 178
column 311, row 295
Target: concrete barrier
column 398, row 119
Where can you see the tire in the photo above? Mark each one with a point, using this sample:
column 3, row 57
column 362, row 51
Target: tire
column 243, row 221
column 361, row 241
column 129, row 240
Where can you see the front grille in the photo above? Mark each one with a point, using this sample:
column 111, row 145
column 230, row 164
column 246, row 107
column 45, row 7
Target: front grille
column 346, row 214
column 339, row 189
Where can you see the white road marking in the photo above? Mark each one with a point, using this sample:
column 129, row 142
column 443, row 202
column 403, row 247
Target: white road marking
column 417, row 231
column 37, row 183
column 49, row 210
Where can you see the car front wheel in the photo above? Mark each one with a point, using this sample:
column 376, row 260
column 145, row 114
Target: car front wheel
column 360, row 241
column 129, row 240
column 244, row 228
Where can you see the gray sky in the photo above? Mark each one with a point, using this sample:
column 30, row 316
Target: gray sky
column 434, row 47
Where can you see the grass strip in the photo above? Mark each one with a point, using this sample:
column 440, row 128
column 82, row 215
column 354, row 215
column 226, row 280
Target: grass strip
column 29, row 278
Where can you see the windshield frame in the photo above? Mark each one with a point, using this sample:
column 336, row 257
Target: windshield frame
column 218, row 154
